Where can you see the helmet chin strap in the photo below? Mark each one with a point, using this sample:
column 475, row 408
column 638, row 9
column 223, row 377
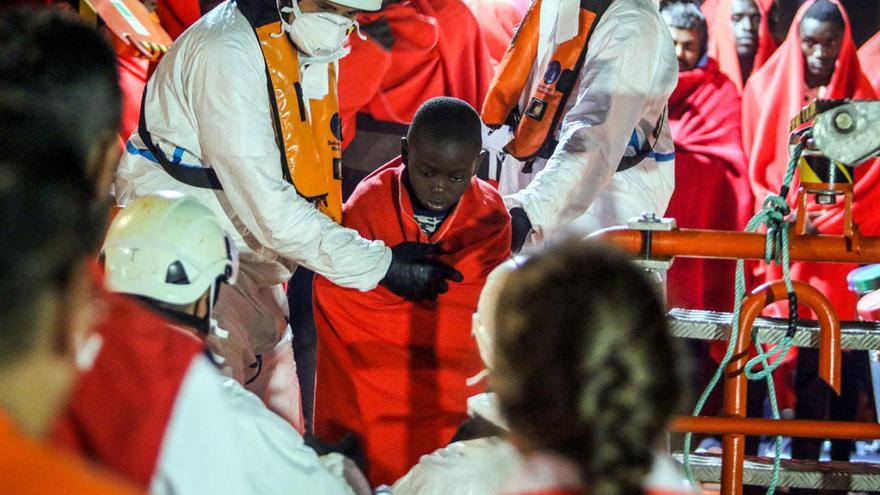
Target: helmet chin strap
column 201, row 325
column 204, row 325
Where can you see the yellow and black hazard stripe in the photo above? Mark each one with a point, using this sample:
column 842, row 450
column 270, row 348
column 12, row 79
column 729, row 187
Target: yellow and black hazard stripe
column 816, row 169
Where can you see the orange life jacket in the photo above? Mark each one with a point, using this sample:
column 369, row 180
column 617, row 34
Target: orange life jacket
column 311, row 145
column 310, row 142
column 534, row 130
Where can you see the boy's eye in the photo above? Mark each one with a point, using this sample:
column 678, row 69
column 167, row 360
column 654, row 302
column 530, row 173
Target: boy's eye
column 426, row 172
column 456, row 179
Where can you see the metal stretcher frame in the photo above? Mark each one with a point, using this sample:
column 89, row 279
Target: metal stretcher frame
column 663, row 245
column 712, row 325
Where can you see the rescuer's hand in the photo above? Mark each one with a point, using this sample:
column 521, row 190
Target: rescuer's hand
column 520, row 227
column 380, row 31
column 414, row 276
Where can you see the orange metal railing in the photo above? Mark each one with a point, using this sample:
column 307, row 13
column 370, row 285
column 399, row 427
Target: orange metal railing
column 693, row 243
column 734, row 425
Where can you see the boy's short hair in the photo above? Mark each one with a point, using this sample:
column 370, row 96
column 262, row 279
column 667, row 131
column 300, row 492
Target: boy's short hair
column 46, row 222
column 447, row 120
column 65, row 66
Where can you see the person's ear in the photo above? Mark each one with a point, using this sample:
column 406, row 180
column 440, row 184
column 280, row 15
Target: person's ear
column 404, row 150
column 103, row 160
column 481, row 162
column 200, row 308
column 77, row 310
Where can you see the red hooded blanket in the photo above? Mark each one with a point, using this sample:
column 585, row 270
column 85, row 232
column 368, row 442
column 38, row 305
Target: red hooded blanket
column 709, row 7
column 869, row 57
column 711, row 183
column 722, row 42
column 438, row 51
column 498, row 20
column 772, row 97
column 393, row 371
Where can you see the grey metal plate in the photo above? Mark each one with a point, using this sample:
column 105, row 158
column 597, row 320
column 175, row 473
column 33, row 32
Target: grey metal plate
column 831, row 475
column 710, row 325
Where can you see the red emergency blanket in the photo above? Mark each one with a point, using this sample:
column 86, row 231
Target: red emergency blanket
column 711, row 182
column 498, row 19
column 119, row 411
column 869, row 57
column 709, row 7
column 133, row 75
column 722, row 42
column 774, row 95
column 392, row 371
column 438, row 50
column 177, row 15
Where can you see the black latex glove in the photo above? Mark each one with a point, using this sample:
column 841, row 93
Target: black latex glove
column 520, row 227
column 414, row 276
column 380, row 31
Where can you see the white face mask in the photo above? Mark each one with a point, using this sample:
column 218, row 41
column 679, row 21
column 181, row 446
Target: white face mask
column 318, row 34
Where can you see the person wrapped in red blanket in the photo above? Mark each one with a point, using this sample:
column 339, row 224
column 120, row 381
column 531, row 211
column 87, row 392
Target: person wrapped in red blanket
column 711, row 183
column 712, row 189
column 740, row 39
column 817, row 60
column 869, row 57
column 394, row 372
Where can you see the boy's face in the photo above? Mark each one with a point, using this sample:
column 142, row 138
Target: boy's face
column 439, row 173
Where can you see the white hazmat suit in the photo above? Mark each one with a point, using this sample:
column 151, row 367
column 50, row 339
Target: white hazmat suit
column 207, row 105
column 620, row 95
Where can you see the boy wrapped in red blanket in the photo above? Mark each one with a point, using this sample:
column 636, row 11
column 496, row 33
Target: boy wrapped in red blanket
column 391, row 371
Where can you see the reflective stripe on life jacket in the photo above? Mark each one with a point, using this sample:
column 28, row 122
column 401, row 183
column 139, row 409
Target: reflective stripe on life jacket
column 546, row 106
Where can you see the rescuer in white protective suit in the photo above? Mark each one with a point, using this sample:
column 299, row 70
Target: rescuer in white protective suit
column 170, row 252
column 579, row 107
column 241, row 114
column 485, row 461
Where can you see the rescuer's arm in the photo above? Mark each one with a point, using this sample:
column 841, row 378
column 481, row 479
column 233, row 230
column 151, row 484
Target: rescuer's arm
column 626, row 67
column 237, row 138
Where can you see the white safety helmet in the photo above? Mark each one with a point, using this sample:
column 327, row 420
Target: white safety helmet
column 483, row 324
column 170, row 248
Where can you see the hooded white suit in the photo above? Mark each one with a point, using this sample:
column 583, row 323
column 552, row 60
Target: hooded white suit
column 207, row 105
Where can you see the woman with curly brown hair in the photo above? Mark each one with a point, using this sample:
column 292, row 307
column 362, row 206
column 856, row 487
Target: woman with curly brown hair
column 585, row 372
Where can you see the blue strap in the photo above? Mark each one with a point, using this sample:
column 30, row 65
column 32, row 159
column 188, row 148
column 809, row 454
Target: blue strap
column 191, row 175
column 662, row 157
column 182, row 170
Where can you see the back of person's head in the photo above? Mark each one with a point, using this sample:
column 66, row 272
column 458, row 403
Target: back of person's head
column 69, row 69
column 171, row 251
column 584, row 364
column 45, row 248
column 686, row 16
